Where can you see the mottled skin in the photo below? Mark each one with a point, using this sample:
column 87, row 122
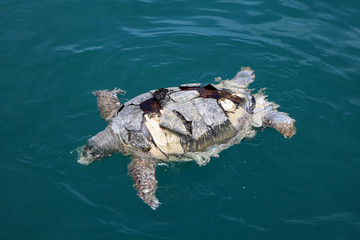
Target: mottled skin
column 189, row 122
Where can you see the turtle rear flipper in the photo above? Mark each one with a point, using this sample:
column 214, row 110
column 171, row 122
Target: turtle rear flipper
column 244, row 77
column 241, row 80
column 281, row 122
column 108, row 103
column 143, row 174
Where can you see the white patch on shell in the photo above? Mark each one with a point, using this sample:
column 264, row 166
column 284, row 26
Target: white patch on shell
column 166, row 141
column 227, row 105
column 239, row 94
column 237, row 117
column 156, row 153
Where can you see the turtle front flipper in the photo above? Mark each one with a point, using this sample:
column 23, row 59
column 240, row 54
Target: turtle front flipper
column 281, row 122
column 143, row 173
column 108, row 103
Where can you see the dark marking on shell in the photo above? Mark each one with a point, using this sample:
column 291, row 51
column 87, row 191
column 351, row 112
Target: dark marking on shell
column 121, row 108
column 210, row 87
column 210, row 91
column 253, row 103
column 187, row 124
column 160, row 95
column 151, row 107
column 139, row 99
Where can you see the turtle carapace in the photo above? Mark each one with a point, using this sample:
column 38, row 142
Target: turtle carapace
column 188, row 122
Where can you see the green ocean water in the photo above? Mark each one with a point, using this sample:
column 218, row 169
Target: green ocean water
column 54, row 53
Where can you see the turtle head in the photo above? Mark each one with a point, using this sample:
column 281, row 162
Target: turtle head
column 102, row 145
column 88, row 154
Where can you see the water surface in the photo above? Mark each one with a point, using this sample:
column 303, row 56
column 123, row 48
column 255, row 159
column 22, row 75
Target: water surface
column 54, row 53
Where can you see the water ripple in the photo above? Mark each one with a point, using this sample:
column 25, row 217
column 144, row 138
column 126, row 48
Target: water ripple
column 52, row 54
column 294, row 4
column 243, row 222
column 344, row 217
column 119, row 224
column 81, row 197
column 77, row 48
column 247, row 3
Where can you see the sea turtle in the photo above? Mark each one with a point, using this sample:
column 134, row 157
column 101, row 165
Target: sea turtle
column 189, row 122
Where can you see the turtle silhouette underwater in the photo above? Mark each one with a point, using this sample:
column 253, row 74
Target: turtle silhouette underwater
column 189, row 122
